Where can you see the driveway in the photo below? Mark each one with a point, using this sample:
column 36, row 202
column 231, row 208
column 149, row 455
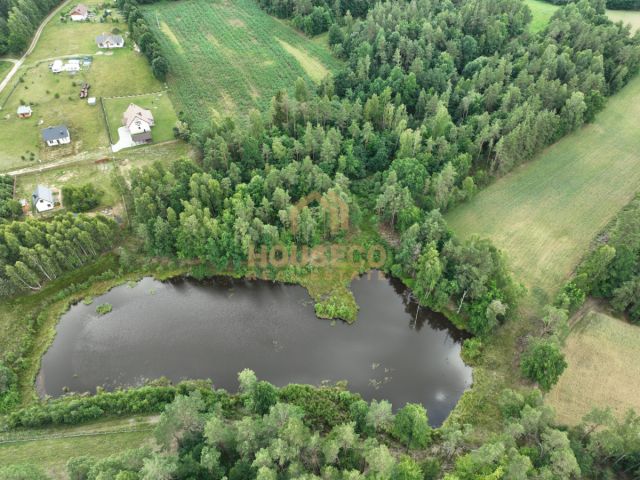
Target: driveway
column 124, row 140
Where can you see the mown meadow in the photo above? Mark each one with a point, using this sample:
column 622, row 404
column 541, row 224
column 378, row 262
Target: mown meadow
column 231, row 56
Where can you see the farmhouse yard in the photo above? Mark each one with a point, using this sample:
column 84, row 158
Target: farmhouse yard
column 159, row 104
column 230, row 57
column 542, row 11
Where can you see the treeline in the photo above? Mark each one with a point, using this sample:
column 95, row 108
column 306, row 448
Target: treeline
column 10, row 209
column 314, row 16
column 19, row 19
column 144, row 38
column 266, row 433
column 613, row 4
column 33, row 252
column 612, row 268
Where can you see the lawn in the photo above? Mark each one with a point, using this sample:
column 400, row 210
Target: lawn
column 603, row 354
column 545, row 214
column 542, row 12
column 57, row 445
column 160, row 105
column 74, row 38
column 230, row 57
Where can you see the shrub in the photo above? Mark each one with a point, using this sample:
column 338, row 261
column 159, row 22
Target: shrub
column 104, row 308
column 543, row 363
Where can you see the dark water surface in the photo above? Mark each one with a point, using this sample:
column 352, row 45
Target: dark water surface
column 214, row 329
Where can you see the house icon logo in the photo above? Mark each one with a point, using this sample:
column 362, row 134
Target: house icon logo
column 335, row 209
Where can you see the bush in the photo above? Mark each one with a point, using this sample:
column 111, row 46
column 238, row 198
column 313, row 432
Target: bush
column 82, row 198
column 543, row 363
column 104, row 308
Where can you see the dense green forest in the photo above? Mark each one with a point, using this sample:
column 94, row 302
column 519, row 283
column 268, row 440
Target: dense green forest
column 613, row 4
column 33, row 252
column 306, row 432
column 10, row 209
column 19, row 19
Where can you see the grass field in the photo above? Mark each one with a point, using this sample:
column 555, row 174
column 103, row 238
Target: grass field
column 545, row 213
column 603, row 354
column 160, row 105
column 56, row 446
column 231, row 56
column 542, row 12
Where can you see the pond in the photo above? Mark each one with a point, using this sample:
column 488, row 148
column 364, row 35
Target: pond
column 215, row 328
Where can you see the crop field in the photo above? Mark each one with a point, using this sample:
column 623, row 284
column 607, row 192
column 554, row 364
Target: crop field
column 542, row 12
column 159, row 104
column 229, row 57
column 56, row 446
column 603, row 354
column 545, row 214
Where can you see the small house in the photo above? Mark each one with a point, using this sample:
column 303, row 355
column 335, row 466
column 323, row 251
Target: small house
column 43, row 199
column 57, row 66
column 138, row 121
column 58, row 135
column 79, row 13
column 24, row 111
column 107, row 40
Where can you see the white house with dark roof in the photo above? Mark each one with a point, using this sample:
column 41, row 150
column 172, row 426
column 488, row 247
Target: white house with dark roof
column 58, row 135
column 107, row 40
column 79, row 13
column 138, row 121
column 43, row 199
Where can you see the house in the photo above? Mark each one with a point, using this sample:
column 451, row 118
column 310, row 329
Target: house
column 107, row 40
column 24, row 111
column 58, row 135
column 43, row 199
column 57, row 66
column 79, row 13
column 138, row 121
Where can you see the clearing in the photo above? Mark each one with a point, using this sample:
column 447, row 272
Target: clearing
column 545, row 213
column 603, row 354
column 542, row 12
column 56, row 445
column 230, row 57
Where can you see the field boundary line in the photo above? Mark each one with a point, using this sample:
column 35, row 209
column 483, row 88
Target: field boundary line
column 106, row 120
column 136, row 95
column 74, row 435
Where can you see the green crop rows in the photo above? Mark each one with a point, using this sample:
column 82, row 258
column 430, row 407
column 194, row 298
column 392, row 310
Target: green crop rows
column 230, row 57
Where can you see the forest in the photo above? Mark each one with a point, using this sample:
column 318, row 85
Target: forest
column 304, row 432
column 612, row 4
column 19, row 19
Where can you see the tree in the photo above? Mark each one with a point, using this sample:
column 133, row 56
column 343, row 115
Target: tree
column 160, row 68
column 543, row 362
column 407, row 469
column 265, row 396
column 411, row 426
column 82, row 198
